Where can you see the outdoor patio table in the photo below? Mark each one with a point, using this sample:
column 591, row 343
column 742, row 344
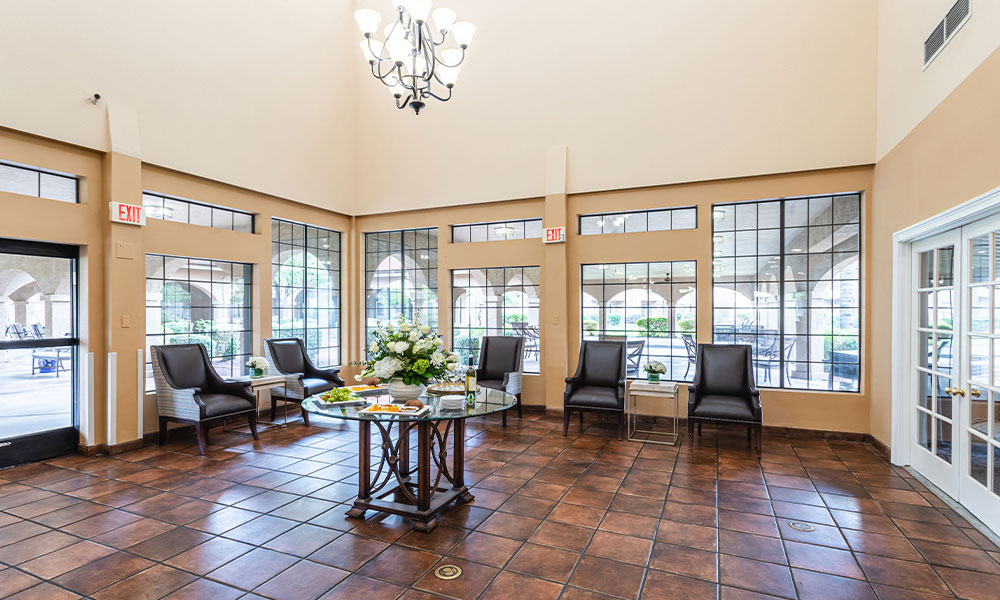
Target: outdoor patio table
column 392, row 488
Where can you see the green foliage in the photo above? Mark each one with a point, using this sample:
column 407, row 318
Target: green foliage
column 655, row 326
column 839, row 339
column 686, row 324
column 515, row 318
column 468, row 346
column 614, row 320
column 590, row 325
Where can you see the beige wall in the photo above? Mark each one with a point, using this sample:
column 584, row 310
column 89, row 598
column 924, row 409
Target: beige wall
column 642, row 93
column 906, row 92
column 951, row 157
column 257, row 94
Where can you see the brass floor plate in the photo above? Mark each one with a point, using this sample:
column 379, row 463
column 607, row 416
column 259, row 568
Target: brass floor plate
column 447, row 572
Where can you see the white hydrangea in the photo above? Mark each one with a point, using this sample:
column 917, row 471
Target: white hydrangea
column 387, row 367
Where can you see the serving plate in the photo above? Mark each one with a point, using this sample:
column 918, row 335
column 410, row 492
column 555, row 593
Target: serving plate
column 402, row 413
column 447, row 388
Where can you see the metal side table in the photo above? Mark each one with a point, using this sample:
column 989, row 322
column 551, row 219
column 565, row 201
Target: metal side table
column 266, row 382
column 664, row 390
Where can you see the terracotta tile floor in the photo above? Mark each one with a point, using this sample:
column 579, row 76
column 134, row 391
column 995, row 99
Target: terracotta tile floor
column 584, row 516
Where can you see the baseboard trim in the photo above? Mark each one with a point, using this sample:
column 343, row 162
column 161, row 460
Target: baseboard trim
column 880, row 448
column 110, row 450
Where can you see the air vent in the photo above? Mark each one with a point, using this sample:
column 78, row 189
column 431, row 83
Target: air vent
column 955, row 18
column 934, row 43
column 946, row 29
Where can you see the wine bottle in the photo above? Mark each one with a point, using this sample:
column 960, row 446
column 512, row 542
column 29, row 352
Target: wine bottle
column 470, row 384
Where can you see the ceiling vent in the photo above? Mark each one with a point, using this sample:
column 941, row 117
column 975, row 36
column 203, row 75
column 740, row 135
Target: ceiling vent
column 945, row 30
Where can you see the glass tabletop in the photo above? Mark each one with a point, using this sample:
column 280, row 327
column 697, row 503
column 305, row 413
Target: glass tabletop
column 488, row 401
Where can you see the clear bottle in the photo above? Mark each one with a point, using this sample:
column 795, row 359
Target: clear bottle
column 470, row 384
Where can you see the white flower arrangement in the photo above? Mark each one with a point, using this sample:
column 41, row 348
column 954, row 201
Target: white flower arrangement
column 410, row 351
column 655, row 367
column 257, row 362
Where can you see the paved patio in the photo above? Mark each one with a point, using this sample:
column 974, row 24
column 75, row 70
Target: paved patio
column 32, row 403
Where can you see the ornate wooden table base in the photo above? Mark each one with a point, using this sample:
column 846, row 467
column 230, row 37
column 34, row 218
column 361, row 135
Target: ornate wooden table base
column 392, row 489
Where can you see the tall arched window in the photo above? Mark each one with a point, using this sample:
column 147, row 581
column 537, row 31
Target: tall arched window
column 401, row 275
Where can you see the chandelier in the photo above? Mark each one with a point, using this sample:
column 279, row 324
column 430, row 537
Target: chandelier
column 412, row 61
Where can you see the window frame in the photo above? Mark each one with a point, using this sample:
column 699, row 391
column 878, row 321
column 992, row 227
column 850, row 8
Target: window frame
column 646, row 356
column 783, row 306
column 212, row 207
column 336, row 248
column 523, row 307
column 645, row 212
column 429, row 314
column 39, row 172
column 246, row 334
column 488, row 224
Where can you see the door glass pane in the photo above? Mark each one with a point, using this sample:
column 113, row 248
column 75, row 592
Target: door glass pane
column 979, row 309
column 996, row 470
column 945, row 309
column 943, row 440
column 979, row 359
column 996, row 416
column 925, row 310
column 980, row 258
column 36, row 384
column 943, row 383
column 926, row 278
column 924, row 389
column 979, row 415
column 943, row 357
column 945, row 262
column 978, row 456
column 924, row 429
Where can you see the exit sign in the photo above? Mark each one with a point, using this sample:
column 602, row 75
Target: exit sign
column 554, row 235
column 129, row 214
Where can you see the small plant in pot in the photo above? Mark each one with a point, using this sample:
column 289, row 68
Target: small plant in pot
column 257, row 365
column 407, row 355
column 653, row 371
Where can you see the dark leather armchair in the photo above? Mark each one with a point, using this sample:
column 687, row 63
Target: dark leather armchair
column 501, row 366
column 599, row 383
column 189, row 390
column 724, row 391
column 302, row 378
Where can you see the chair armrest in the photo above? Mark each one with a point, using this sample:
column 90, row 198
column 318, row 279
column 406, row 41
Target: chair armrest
column 512, row 382
column 755, row 406
column 332, row 375
column 692, row 397
column 234, row 388
column 572, row 384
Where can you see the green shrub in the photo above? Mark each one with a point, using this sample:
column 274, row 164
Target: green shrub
column 614, row 320
column 686, row 324
column 590, row 325
column 654, row 326
column 516, row 318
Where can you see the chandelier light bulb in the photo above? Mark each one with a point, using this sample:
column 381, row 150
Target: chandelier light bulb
column 393, row 30
column 463, row 31
column 444, row 18
column 368, row 20
column 399, row 50
column 448, row 75
column 419, row 9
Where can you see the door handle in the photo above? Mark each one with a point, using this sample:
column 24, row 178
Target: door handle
column 958, row 391
column 974, row 392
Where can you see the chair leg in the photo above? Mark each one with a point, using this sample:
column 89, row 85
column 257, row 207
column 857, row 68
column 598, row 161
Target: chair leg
column 750, row 435
column 760, row 439
column 252, row 423
column 199, row 431
column 274, row 409
column 581, row 417
column 699, row 429
column 621, row 425
column 519, row 413
column 503, row 419
column 690, row 433
column 163, row 430
column 566, row 412
column 305, row 415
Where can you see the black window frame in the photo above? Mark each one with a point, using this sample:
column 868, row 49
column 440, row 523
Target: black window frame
column 646, row 212
column 214, row 207
column 277, row 246
column 38, row 171
column 488, row 224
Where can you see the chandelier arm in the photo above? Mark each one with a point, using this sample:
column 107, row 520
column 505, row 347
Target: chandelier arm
column 460, row 61
column 379, row 57
column 405, row 102
column 436, row 97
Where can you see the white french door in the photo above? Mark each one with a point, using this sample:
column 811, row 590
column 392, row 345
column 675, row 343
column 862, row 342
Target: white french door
column 956, row 429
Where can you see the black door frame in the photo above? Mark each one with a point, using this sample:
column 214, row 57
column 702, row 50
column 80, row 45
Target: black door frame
column 54, row 442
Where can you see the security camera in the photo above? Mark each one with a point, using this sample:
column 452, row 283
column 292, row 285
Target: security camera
column 94, row 99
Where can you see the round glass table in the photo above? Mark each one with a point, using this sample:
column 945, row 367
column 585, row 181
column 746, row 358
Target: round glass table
column 420, row 493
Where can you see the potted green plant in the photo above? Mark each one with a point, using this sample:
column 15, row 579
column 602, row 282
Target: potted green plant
column 654, row 369
column 406, row 355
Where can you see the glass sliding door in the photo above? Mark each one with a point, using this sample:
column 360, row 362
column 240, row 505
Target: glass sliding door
column 38, row 351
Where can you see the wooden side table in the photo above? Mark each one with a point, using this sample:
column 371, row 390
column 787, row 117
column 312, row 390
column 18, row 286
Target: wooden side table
column 266, row 382
column 664, row 390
